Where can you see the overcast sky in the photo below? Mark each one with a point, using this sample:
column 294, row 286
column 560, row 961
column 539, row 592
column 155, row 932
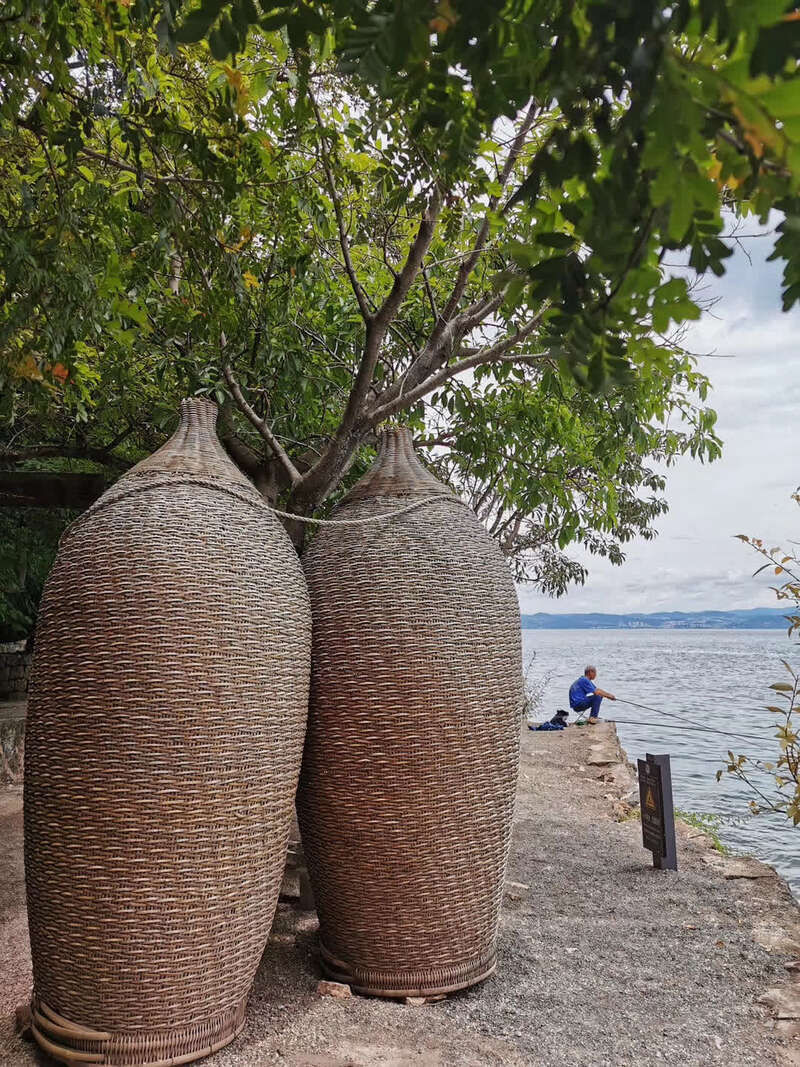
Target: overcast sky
column 695, row 563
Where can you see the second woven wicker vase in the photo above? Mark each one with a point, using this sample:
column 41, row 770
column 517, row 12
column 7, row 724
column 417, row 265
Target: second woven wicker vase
column 165, row 728
column 410, row 766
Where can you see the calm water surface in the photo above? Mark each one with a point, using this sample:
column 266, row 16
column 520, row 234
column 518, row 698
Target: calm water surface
column 719, row 678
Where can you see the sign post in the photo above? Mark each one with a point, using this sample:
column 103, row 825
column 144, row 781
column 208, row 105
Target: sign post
column 658, row 815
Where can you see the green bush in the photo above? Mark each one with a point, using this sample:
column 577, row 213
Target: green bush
column 28, row 543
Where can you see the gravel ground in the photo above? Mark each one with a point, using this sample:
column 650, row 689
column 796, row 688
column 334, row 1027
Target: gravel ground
column 603, row 960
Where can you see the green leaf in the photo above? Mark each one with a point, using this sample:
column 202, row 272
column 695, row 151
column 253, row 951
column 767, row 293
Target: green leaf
column 783, row 99
column 680, row 214
column 275, row 20
column 127, row 309
column 555, row 240
column 551, row 269
column 776, row 47
column 218, row 45
column 195, row 26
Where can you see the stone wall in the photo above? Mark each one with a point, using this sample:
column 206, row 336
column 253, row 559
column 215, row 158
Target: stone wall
column 15, row 665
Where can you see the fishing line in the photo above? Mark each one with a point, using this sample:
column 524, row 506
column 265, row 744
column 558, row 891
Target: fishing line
column 739, row 707
column 681, row 718
column 754, row 763
column 698, row 727
column 701, row 705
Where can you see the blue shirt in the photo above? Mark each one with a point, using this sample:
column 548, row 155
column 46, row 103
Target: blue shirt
column 579, row 691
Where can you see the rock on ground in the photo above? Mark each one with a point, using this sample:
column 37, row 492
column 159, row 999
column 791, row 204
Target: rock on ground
column 602, row 959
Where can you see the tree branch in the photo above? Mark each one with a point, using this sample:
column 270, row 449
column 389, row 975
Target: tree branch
column 495, row 353
column 435, row 355
column 474, row 315
column 96, row 455
column 468, row 265
column 431, row 297
column 382, row 320
column 449, row 326
column 413, row 264
column 386, row 233
column 337, row 208
column 260, row 424
column 240, row 452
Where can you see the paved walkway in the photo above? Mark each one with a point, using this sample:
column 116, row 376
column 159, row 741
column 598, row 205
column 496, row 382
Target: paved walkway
column 603, row 960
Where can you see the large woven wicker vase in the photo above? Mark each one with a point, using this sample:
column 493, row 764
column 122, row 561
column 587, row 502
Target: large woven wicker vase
column 410, row 766
column 165, row 729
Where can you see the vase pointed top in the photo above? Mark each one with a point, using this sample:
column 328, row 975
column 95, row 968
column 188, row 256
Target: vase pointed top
column 194, row 448
column 397, row 471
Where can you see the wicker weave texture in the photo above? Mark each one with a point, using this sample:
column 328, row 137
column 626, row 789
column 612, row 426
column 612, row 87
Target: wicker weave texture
column 165, row 728
column 410, row 765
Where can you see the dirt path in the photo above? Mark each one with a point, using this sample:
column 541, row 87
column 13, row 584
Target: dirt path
column 603, row 961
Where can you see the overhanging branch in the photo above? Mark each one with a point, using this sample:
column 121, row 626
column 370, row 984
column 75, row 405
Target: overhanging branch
column 261, row 425
column 497, row 353
column 468, row 265
column 96, row 455
column 337, row 210
column 382, row 320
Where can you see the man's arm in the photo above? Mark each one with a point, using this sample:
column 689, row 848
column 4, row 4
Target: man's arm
column 603, row 693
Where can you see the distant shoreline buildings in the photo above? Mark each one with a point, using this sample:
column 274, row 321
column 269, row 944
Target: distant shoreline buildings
column 750, row 619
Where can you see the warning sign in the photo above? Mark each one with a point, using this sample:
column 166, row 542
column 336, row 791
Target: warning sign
column 658, row 819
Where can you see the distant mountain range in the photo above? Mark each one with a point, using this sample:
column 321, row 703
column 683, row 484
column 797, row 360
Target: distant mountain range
column 751, row 619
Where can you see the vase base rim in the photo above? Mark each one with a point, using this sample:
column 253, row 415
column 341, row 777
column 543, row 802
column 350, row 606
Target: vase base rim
column 77, row 1045
column 424, row 982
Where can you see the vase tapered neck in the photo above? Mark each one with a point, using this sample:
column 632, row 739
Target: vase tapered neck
column 194, row 448
column 397, row 471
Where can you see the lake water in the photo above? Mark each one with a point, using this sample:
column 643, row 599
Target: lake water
column 718, row 678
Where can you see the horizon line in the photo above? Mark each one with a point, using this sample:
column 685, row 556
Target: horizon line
column 659, row 611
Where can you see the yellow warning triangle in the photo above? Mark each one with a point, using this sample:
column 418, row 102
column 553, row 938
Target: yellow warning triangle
column 649, row 799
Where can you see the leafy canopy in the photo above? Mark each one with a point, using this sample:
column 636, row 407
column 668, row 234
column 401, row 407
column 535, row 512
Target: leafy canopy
column 331, row 215
column 663, row 115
